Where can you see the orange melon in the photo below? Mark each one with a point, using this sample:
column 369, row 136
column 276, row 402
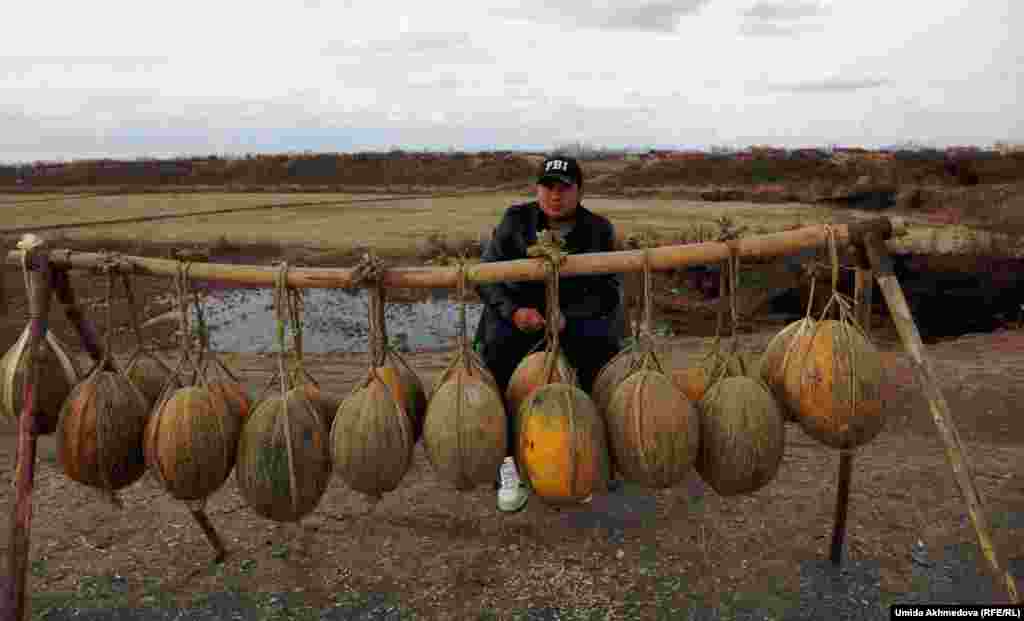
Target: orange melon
column 832, row 380
column 191, row 442
column 407, row 389
column 99, row 434
column 561, row 446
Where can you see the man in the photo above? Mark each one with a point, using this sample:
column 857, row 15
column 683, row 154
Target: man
column 591, row 322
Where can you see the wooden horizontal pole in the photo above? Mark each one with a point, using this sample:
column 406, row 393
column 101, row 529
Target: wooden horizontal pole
column 661, row 259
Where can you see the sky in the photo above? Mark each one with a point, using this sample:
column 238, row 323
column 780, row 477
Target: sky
column 110, row 78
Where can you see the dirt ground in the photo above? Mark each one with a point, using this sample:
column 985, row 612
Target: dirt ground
column 428, row 551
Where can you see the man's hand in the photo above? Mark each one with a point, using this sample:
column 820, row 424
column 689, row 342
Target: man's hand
column 530, row 320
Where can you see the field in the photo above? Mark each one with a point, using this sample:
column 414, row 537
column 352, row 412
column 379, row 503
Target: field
column 427, row 552
column 399, row 227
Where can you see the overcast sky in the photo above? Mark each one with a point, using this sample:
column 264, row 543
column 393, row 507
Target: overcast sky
column 109, row 78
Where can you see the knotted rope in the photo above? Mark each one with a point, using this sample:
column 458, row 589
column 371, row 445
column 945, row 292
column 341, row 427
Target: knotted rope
column 550, row 247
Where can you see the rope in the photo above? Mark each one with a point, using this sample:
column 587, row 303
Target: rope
column 734, row 287
column 129, row 293
column 461, row 286
column 551, row 247
column 186, row 339
column 109, row 320
column 282, row 306
column 296, row 310
column 370, row 269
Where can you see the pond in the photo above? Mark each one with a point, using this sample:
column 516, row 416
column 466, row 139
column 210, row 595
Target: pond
column 334, row 320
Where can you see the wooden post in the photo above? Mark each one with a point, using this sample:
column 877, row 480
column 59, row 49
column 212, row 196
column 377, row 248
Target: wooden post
column 212, row 536
column 66, row 296
column 12, row 606
column 862, row 309
column 955, row 454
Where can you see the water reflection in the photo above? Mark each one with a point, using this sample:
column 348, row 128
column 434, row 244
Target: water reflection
column 335, row 320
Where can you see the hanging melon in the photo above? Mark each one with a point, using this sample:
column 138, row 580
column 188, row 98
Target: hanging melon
column 742, row 436
column 284, row 463
column 529, row 375
column 475, row 361
column 832, row 379
column 695, row 381
column 192, row 438
column 145, row 368
column 719, row 362
column 611, row 375
column 372, row 439
column 99, row 433
column 407, row 388
column 653, row 428
column 325, row 403
column 234, row 394
column 150, row 375
column 561, row 447
column 770, row 365
column 58, row 373
column 561, row 443
column 465, row 434
column 191, row 442
column 373, row 436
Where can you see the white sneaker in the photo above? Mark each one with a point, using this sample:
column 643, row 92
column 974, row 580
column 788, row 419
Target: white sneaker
column 513, row 494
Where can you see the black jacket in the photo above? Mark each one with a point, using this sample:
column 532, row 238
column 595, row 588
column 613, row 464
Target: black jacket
column 595, row 296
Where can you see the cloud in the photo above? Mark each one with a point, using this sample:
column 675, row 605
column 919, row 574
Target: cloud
column 772, row 29
column 831, row 85
column 785, row 10
column 644, row 16
column 412, row 44
column 593, row 76
column 783, row 18
column 114, row 63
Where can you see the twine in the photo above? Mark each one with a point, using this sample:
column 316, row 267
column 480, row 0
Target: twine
column 550, row 247
column 283, row 307
column 461, row 286
column 370, row 269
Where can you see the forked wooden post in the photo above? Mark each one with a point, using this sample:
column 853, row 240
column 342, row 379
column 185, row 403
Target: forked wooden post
column 955, row 454
column 12, row 606
column 66, row 296
column 862, row 309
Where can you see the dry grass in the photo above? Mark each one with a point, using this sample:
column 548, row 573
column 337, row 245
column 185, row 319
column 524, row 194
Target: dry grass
column 435, row 228
column 403, row 227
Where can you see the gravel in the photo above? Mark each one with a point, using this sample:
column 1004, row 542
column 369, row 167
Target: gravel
column 849, row 593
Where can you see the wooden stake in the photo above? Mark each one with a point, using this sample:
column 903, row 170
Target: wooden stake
column 13, row 606
column 955, row 454
column 203, row 520
column 862, row 309
column 73, row 312
column 661, row 259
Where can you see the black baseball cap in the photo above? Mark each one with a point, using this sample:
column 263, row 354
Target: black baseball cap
column 563, row 169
